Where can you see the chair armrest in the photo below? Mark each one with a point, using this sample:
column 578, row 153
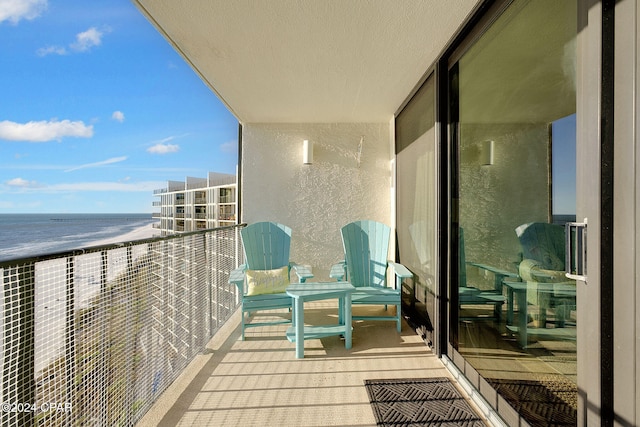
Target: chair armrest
column 494, row 270
column 499, row 275
column 302, row 271
column 236, row 277
column 338, row 271
column 400, row 270
column 549, row 276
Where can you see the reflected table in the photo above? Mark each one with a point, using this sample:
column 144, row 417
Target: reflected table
column 518, row 291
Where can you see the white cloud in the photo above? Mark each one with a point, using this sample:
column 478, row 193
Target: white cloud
column 21, row 183
column 98, row 164
column 87, row 39
column 118, row 116
column 161, row 148
column 44, row 130
column 143, row 186
column 15, row 10
column 167, row 139
column 58, row 50
column 84, row 42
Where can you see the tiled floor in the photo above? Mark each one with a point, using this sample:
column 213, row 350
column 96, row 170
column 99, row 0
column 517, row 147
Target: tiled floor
column 260, row 382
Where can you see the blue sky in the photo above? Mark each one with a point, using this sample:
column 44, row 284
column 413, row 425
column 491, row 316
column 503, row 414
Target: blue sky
column 97, row 110
column 564, row 166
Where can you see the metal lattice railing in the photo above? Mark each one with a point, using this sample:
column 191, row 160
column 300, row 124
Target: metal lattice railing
column 93, row 337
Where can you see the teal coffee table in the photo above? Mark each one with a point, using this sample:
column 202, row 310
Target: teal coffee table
column 306, row 292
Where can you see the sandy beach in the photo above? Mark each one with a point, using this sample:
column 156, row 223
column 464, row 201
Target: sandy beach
column 141, row 233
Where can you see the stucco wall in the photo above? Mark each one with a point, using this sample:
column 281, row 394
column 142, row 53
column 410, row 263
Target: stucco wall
column 496, row 199
column 316, row 200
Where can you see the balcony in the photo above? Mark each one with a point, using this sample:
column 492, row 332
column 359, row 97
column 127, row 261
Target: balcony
column 260, row 382
column 148, row 332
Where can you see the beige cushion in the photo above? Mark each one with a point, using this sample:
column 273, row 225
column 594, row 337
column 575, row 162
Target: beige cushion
column 537, row 278
column 260, row 282
column 531, row 270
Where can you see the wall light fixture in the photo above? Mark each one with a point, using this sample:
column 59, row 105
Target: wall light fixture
column 307, row 152
column 486, row 153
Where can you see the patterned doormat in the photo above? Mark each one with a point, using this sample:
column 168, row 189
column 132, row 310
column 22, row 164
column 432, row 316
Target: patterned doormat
column 548, row 400
column 422, row 401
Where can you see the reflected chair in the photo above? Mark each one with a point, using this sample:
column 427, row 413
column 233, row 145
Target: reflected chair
column 365, row 264
column 542, row 268
column 469, row 295
column 262, row 280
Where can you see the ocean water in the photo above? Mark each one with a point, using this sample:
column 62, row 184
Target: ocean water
column 26, row 235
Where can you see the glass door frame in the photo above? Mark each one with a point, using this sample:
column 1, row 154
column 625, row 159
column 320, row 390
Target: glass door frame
column 449, row 204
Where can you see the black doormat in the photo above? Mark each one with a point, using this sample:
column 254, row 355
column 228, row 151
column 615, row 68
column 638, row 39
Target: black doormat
column 419, row 402
column 548, row 400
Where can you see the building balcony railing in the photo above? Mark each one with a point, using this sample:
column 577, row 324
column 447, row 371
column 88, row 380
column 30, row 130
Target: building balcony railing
column 103, row 331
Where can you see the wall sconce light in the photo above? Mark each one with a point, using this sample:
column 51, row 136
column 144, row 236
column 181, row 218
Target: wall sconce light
column 486, row 153
column 307, row 152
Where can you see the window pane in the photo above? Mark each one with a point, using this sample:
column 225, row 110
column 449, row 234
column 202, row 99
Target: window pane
column 516, row 156
column 416, row 201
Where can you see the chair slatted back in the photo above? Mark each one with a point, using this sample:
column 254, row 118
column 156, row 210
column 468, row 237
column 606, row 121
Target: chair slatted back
column 543, row 242
column 266, row 245
column 366, row 247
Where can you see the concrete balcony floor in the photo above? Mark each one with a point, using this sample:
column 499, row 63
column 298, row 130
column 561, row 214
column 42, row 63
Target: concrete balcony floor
column 260, row 382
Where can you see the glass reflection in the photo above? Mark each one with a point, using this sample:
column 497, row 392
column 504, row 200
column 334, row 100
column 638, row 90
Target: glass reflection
column 517, row 311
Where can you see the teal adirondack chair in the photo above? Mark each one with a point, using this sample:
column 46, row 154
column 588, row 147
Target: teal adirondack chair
column 470, row 295
column 366, row 245
column 260, row 280
column 542, row 268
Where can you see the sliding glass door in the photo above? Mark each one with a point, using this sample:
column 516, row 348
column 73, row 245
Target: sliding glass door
column 416, row 204
column 513, row 128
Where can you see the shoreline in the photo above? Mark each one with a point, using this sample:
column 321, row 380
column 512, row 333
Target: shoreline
column 140, row 233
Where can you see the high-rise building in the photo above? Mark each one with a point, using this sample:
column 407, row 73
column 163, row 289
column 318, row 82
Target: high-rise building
column 197, row 204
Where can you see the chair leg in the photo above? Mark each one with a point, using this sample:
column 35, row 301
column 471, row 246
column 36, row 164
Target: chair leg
column 399, row 319
column 242, row 324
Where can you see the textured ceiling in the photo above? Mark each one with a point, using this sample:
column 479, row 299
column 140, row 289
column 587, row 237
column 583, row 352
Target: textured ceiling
column 309, row 61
